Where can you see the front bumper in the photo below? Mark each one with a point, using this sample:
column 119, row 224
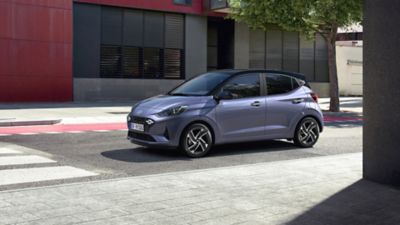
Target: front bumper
column 162, row 133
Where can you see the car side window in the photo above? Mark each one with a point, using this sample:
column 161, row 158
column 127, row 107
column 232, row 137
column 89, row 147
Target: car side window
column 243, row 86
column 280, row 84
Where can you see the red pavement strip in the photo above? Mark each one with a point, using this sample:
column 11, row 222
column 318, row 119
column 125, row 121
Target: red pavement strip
column 62, row 128
column 104, row 127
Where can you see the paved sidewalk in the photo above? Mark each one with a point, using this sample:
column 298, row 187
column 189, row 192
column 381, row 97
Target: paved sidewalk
column 319, row 190
column 350, row 105
column 67, row 113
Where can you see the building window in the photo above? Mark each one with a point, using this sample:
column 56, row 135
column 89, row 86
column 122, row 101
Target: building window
column 183, row 2
column 132, row 65
column 138, row 44
column 110, row 61
column 173, row 63
column 151, row 63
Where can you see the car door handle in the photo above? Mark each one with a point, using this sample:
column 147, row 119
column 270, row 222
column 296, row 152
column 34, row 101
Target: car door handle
column 256, row 104
column 297, row 100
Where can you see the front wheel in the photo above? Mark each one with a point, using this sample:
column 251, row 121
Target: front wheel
column 196, row 140
column 307, row 133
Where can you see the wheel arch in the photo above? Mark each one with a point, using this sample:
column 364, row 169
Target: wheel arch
column 320, row 125
column 205, row 123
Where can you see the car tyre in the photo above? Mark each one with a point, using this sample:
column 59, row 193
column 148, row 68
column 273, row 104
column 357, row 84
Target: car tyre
column 307, row 133
column 196, row 140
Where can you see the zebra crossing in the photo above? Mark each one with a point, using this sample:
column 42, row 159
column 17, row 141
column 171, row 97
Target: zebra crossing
column 19, row 165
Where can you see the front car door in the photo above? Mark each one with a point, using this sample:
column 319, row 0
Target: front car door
column 242, row 117
column 285, row 104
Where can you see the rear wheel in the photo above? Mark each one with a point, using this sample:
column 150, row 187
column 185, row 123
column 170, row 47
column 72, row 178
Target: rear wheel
column 307, row 133
column 196, row 140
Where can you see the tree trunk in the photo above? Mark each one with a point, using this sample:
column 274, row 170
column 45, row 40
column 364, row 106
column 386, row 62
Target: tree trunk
column 334, row 105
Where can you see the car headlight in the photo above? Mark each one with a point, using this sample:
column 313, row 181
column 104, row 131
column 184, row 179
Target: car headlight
column 173, row 111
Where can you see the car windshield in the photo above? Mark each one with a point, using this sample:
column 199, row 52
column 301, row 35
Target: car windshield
column 200, row 85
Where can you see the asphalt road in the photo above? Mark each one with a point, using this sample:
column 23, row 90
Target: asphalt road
column 111, row 156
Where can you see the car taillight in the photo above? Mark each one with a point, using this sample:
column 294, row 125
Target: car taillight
column 314, row 97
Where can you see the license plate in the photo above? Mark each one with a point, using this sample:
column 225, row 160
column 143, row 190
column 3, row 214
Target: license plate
column 138, row 127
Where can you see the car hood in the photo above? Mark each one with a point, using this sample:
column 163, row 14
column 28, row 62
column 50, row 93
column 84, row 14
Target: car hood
column 162, row 102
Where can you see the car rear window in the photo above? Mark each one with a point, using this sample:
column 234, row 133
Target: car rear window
column 280, row 84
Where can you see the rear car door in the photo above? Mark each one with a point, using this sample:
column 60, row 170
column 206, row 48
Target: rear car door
column 243, row 116
column 286, row 101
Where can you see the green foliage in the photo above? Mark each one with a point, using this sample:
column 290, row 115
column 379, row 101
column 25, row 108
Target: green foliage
column 306, row 16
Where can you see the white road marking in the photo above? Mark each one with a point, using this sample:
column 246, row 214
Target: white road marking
column 52, row 132
column 74, row 132
column 26, row 159
column 9, row 151
column 28, row 133
column 17, row 176
column 100, row 131
column 2, row 135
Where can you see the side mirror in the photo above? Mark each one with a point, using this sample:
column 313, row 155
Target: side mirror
column 224, row 95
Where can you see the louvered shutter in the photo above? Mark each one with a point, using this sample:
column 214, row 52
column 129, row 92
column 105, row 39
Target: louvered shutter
column 174, row 31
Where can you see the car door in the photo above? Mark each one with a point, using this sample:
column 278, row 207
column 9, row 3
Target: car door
column 242, row 115
column 285, row 104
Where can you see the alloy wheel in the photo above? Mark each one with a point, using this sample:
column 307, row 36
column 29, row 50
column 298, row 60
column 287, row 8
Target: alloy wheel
column 197, row 140
column 307, row 133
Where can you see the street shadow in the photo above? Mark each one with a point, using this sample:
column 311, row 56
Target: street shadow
column 363, row 202
column 143, row 154
column 344, row 124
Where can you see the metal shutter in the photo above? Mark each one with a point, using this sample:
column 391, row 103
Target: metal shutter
column 111, row 26
column 257, row 49
column 174, row 31
column 291, row 51
column 133, row 27
column 110, row 61
column 321, row 59
column 153, row 29
column 87, row 23
column 307, row 58
column 274, row 49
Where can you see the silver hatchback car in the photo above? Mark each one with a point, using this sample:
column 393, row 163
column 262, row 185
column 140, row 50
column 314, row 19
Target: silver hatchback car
column 228, row 106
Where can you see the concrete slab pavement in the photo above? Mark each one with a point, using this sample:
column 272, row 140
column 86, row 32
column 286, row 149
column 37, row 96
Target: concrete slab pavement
column 318, row 190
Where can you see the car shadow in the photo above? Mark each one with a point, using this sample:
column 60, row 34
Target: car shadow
column 143, row 154
column 252, row 147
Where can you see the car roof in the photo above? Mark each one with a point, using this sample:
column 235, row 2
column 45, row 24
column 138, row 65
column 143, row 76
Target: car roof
column 233, row 72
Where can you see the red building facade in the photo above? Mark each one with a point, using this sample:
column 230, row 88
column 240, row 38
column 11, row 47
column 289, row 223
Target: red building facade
column 36, row 50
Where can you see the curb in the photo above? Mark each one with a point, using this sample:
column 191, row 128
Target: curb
column 29, row 123
column 343, row 114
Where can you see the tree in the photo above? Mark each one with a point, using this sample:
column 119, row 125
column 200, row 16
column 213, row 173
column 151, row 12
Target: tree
column 309, row 17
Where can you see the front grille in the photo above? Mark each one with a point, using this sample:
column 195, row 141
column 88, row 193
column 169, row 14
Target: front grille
column 140, row 136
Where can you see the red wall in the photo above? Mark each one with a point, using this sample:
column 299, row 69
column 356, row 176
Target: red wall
column 35, row 50
column 162, row 5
